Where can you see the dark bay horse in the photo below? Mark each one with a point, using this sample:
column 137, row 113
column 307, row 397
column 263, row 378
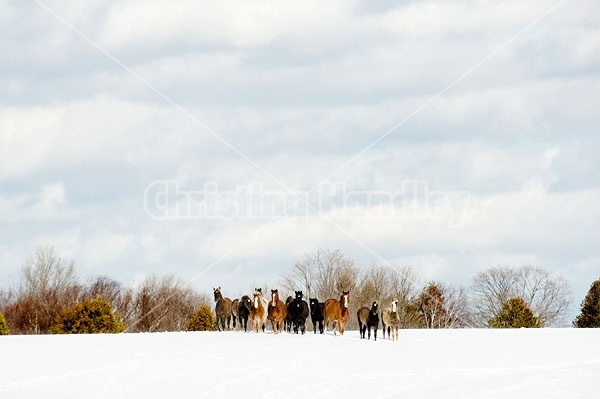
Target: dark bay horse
column 277, row 312
column 222, row 309
column 337, row 312
column 244, row 307
column 258, row 311
column 367, row 319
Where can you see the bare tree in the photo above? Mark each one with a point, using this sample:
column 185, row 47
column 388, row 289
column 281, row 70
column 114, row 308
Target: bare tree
column 323, row 274
column 546, row 294
column 163, row 304
column 46, row 285
column 376, row 283
column 299, row 277
column 457, row 305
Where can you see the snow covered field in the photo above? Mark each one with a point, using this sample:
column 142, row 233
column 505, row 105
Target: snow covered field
column 542, row 363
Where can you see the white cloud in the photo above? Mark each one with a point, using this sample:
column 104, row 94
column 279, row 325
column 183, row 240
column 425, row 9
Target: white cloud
column 138, row 23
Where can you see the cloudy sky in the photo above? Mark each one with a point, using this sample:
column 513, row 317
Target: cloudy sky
column 497, row 100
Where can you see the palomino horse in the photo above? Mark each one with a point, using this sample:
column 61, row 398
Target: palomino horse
column 367, row 319
column 391, row 319
column 277, row 312
column 222, row 309
column 258, row 311
column 337, row 312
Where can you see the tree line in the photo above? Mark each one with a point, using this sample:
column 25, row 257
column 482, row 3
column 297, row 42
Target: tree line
column 48, row 293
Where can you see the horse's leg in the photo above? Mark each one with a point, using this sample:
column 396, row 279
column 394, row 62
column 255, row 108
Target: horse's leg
column 321, row 330
column 375, row 332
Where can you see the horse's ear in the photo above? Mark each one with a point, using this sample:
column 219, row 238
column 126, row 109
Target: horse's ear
column 219, row 288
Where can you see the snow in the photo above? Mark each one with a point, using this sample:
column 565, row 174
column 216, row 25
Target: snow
column 469, row 363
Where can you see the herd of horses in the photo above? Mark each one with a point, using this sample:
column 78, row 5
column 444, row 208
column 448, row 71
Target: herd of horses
column 293, row 313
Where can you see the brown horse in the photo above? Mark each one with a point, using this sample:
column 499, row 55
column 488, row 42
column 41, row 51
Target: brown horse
column 258, row 311
column 391, row 319
column 337, row 312
column 277, row 312
column 222, row 309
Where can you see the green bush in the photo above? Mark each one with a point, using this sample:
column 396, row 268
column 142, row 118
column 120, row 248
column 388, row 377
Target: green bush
column 202, row 320
column 590, row 308
column 90, row 316
column 3, row 325
column 515, row 313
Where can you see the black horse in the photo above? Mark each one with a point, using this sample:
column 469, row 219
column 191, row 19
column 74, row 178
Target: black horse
column 367, row 319
column 244, row 311
column 316, row 314
column 287, row 323
column 299, row 311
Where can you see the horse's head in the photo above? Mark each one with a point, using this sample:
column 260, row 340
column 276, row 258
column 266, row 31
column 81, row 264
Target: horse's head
column 258, row 290
column 299, row 294
column 256, row 300
column 394, row 305
column 345, row 299
column 217, row 294
column 314, row 302
column 374, row 308
column 274, row 297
